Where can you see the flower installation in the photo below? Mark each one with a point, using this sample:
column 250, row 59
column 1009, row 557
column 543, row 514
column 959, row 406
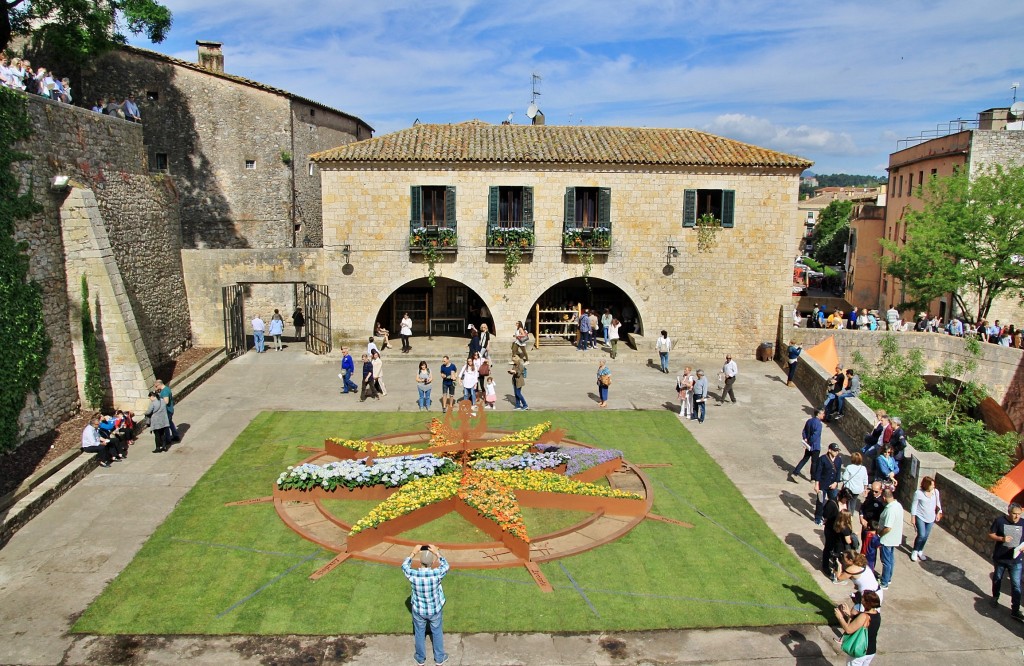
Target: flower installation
column 580, row 459
column 390, row 472
column 410, row 497
column 493, row 501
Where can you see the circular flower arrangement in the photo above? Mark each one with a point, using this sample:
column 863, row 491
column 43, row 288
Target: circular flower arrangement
column 483, row 475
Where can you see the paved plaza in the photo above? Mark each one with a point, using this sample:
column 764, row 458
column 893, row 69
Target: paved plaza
column 51, row 570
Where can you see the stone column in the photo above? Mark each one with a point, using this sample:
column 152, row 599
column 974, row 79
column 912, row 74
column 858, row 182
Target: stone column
column 87, row 251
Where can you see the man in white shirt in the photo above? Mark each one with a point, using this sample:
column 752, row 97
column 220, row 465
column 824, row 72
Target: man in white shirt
column 131, row 109
column 729, row 372
column 892, row 317
column 93, row 443
column 258, row 328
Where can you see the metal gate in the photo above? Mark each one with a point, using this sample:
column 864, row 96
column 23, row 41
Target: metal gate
column 234, row 320
column 318, row 319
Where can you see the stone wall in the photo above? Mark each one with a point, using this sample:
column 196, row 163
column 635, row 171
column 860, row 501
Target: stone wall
column 725, row 300
column 969, row 511
column 106, row 155
column 999, row 368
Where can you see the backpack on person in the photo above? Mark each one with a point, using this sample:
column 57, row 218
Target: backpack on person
column 485, row 369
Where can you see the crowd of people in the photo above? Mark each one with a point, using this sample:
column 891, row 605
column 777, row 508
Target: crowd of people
column 1007, row 335
column 110, row 436
column 18, row 74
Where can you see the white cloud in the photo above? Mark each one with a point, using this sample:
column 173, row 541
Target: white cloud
column 801, row 139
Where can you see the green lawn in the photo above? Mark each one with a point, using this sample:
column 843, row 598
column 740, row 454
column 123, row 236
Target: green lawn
column 211, row 569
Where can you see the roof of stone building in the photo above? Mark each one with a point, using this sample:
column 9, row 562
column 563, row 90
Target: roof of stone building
column 475, row 141
column 239, row 79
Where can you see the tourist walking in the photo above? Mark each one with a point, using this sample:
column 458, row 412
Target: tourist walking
column 1006, row 532
column 469, row 377
column 157, row 414
column 405, row 330
column 890, row 529
column 811, row 438
column 378, row 372
column 684, row 389
column 831, row 511
column 926, row 508
column 518, row 382
column 485, row 341
column 519, row 341
column 277, row 328
column 423, row 382
column 826, row 477
column 853, row 621
column 490, row 392
column 348, row 368
column 663, row 345
column 299, row 322
column 368, row 387
column 448, row 371
column 793, row 357
column 427, row 601
column 613, row 336
column 168, row 398
column 700, row 397
column 258, row 329
column 729, row 372
column 855, row 479
column 604, row 380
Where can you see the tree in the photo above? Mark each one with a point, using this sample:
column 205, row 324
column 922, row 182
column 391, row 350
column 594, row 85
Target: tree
column 832, row 233
column 80, row 28
column 967, row 240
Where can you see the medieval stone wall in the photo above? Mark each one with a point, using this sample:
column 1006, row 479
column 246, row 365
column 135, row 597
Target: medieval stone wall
column 106, row 155
column 724, row 300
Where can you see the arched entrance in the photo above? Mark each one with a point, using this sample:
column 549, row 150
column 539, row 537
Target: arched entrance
column 555, row 304
column 447, row 308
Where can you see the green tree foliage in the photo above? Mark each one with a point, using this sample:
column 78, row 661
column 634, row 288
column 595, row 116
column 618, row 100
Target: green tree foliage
column 21, row 327
column 832, row 233
column 840, row 180
column 90, row 353
column 968, row 240
column 80, row 28
column 938, row 421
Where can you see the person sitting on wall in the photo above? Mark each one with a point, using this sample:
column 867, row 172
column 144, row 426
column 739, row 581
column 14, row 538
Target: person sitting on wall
column 93, row 443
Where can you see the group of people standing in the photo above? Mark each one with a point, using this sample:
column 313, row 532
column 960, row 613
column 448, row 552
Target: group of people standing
column 109, row 437
column 692, row 389
column 275, row 330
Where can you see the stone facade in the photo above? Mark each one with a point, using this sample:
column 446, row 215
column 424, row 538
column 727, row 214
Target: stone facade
column 368, row 208
column 106, row 155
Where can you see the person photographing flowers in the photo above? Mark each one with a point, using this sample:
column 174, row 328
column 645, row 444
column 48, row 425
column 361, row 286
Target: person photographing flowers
column 427, row 600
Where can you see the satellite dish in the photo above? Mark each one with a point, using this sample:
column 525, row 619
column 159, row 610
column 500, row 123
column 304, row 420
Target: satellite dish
column 531, row 111
column 1017, row 109
column 511, row 114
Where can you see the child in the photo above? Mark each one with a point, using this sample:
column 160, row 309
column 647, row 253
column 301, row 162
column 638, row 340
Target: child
column 490, row 393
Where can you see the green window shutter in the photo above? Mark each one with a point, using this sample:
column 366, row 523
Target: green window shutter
column 416, row 201
column 528, row 205
column 604, row 206
column 690, row 208
column 492, row 205
column 449, row 207
column 570, row 208
column 728, row 208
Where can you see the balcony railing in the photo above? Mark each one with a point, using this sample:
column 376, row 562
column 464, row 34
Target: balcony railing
column 499, row 237
column 440, row 239
column 597, row 240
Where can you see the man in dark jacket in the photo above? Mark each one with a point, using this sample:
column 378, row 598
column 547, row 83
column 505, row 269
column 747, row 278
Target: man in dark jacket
column 826, row 477
column 811, row 437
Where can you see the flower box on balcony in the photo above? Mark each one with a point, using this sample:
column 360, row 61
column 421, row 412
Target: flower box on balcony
column 500, row 239
column 436, row 239
column 596, row 240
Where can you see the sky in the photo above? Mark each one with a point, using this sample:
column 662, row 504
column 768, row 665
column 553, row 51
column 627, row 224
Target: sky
column 836, row 82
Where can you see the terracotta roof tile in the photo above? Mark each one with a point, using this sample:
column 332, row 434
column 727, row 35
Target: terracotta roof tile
column 480, row 142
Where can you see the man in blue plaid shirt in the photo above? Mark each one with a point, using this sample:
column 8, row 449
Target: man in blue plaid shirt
column 427, row 601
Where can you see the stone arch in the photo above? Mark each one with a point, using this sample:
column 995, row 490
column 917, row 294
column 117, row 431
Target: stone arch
column 476, row 291
column 598, row 284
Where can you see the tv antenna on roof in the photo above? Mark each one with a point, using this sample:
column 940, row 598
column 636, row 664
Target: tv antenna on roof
column 533, row 109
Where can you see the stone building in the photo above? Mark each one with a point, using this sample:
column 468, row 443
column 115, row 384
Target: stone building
column 603, row 217
column 985, row 142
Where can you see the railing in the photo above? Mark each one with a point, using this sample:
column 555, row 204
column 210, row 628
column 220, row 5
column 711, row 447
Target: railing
column 597, row 240
column 440, row 239
column 502, row 235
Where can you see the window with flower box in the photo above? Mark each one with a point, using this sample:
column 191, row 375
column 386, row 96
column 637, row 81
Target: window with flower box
column 587, row 223
column 719, row 203
column 432, row 221
column 510, row 219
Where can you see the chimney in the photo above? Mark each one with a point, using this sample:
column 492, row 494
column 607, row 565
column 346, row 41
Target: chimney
column 210, row 56
column 539, row 118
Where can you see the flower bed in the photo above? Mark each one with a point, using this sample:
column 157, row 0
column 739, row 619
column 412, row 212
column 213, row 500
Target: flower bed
column 352, row 448
column 580, row 459
column 389, row 472
column 524, row 461
column 410, row 497
column 554, row 483
column 493, row 501
column 527, row 435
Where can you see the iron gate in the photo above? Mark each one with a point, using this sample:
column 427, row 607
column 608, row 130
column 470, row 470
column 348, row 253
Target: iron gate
column 318, row 319
column 234, row 320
